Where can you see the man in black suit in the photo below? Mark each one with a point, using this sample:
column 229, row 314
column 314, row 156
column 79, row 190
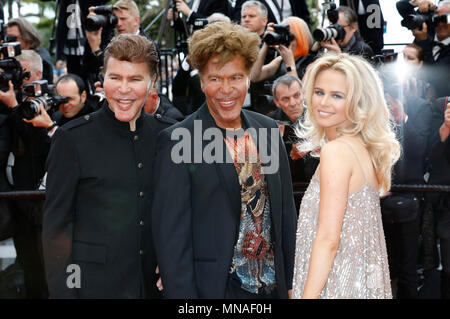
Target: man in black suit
column 278, row 10
column 96, row 232
column 401, row 211
column 197, row 9
column 370, row 21
column 160, row 104
column 224, row 222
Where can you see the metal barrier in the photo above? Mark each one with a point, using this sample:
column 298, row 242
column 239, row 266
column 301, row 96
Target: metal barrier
column 298, row 188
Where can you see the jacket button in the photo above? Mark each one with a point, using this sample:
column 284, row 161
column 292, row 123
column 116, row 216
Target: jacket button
column 141, row 194
column 141, row 252
column 141, row 223
column 158, row 116
column 87, row 117
column 140, row 165
column 136, row 137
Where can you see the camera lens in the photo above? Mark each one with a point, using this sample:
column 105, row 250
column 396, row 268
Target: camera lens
column 95, row 22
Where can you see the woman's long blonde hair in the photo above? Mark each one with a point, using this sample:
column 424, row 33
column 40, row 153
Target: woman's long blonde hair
column 366, row 109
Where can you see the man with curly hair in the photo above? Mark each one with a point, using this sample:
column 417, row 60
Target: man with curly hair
column 224, row 223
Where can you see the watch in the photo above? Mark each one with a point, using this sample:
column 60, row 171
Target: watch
column 98, row 52
column 48, row 129
column 288, row 68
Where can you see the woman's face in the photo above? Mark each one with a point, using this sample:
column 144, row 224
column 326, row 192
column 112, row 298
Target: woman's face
column 412, row 56
column 329, row 102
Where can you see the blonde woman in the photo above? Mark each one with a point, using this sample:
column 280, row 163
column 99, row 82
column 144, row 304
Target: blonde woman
column 340, row 245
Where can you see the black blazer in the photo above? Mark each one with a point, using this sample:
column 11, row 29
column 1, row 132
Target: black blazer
column 196, row 215
column 96, row 210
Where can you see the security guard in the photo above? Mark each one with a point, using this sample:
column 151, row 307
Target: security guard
column 96, row 230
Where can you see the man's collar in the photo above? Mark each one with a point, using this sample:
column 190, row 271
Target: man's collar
column 446, row 41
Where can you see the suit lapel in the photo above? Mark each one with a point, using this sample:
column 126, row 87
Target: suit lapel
column 226, row 170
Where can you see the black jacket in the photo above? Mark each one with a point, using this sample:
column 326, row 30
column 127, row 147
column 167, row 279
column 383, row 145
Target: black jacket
column 196, row 213
column 97, row 202
column 372, row 35
column 167, row 109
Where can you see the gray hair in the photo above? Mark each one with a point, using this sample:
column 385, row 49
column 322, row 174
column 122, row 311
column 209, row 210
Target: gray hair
column 287, row 80
column 218, row 17
column 252, row 3
column 32, row 58
column 349, row 14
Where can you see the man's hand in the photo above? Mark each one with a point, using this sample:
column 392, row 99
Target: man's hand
column 159, row 282
column 41, row 120
column 420, row 35
column 9, row 97
column 94, row 37
column 296, row 154
column 444, row 130
column 396, row 109
column 331, row 45
column 411, row 87
column 447, row 116
column 443, row 8
column 183, row 7
column 98, row 87
column 287, row 55
column 425, row 5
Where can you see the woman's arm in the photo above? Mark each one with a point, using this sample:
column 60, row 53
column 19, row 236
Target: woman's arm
column 260, row 71
column 335, row 171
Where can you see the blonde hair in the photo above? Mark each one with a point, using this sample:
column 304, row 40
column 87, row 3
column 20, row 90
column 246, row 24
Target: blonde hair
column 226, row 40
column 127, row 5
column 366, row 109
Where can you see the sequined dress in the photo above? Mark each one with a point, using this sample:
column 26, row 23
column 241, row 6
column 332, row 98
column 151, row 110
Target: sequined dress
column 360, row 269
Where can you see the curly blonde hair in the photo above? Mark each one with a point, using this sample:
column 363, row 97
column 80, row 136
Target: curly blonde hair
column 366, row 109
column 225, row 40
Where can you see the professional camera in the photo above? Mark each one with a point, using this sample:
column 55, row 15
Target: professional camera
column 416, row 20
column 12, row 70
column 335, row 31
column 199, row 23
column 386, row 57
column 39, row 92
column 282, row 35
column 105, row 17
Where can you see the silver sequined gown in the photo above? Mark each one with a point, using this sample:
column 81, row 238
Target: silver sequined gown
column 360, row 269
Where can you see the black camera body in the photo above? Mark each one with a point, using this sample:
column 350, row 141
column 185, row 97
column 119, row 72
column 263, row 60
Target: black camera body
column 282, row 35
column 104, row 17
column 335, row 31
column 12, row 70
column 416, row 20
column 40, row 92
column 199, row 24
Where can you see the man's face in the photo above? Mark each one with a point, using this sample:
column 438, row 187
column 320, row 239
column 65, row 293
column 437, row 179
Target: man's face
column 126, row 24
column 290, row 100
column 126, row 86
column 34, row 75
column 76, row 101
column 349, row 30
column 225, row 89
column 252, row 20
column 14, row 31
column 443, row 31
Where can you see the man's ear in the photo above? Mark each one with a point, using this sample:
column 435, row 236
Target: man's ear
column 83, row 96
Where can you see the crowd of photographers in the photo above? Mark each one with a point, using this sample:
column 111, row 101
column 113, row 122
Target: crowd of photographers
column 32, row 108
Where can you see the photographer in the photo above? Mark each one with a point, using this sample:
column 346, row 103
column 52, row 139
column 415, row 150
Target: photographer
column 401, row 210
column 195, row 10
column 293, row 59
column 342, row 36
column 30, row 146
column 29, row 39
column 439, row 169
column 72, row 87
column 124, row 16
column 436, row 47
column 253, row 16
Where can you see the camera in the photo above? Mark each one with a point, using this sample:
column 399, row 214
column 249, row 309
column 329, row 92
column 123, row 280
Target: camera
column 332, row 13
column 199, row 23
column 386, row 57
column 12, row 70
column 416, row 20
column 335, row 31
column 282, row 35
column 104, row 17
column 39, row 92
